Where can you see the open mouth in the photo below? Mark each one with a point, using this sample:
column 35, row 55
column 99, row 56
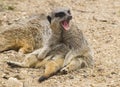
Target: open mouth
column 65, row 24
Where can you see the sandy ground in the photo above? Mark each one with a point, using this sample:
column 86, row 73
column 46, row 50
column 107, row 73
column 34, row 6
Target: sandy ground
column 100, row 22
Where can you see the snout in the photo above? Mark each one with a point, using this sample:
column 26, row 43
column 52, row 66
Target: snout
column 69, row 18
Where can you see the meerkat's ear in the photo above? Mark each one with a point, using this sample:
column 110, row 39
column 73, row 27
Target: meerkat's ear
column 49, row 18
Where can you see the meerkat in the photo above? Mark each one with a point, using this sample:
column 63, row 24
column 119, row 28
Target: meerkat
column 27, row 36
column 69, row 53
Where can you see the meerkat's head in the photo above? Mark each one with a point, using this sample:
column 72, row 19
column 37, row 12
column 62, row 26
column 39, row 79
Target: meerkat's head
column 60, row 18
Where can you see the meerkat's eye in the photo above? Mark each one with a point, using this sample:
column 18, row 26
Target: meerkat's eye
column 60, row 14
column 69, row 12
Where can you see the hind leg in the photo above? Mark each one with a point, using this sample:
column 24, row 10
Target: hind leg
column 51, row 67
column 75, row 63
column 79, row 62
column 29, row 61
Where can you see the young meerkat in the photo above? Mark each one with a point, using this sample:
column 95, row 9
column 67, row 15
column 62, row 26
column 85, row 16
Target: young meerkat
column 71, row 50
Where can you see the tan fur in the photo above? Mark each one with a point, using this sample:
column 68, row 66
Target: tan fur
column 27, row 35
column 52, row 63
column 69, row 52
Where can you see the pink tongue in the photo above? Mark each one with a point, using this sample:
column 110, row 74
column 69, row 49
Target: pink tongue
column 65, row 25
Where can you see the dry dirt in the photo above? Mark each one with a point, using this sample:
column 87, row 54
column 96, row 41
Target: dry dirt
column 100, row 22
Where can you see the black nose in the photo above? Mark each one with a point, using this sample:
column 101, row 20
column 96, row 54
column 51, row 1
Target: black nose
column 69, row 17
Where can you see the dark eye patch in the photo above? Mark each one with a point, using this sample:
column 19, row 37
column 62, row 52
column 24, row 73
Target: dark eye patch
column 60, row 14
column 69, row 12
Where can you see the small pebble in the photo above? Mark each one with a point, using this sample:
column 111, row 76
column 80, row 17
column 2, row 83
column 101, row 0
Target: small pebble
column 71, row 77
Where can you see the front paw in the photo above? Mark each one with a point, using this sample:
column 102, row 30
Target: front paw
column 64, row 70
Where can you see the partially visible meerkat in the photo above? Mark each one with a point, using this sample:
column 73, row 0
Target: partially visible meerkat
column 27, row 36
column 71, row 52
